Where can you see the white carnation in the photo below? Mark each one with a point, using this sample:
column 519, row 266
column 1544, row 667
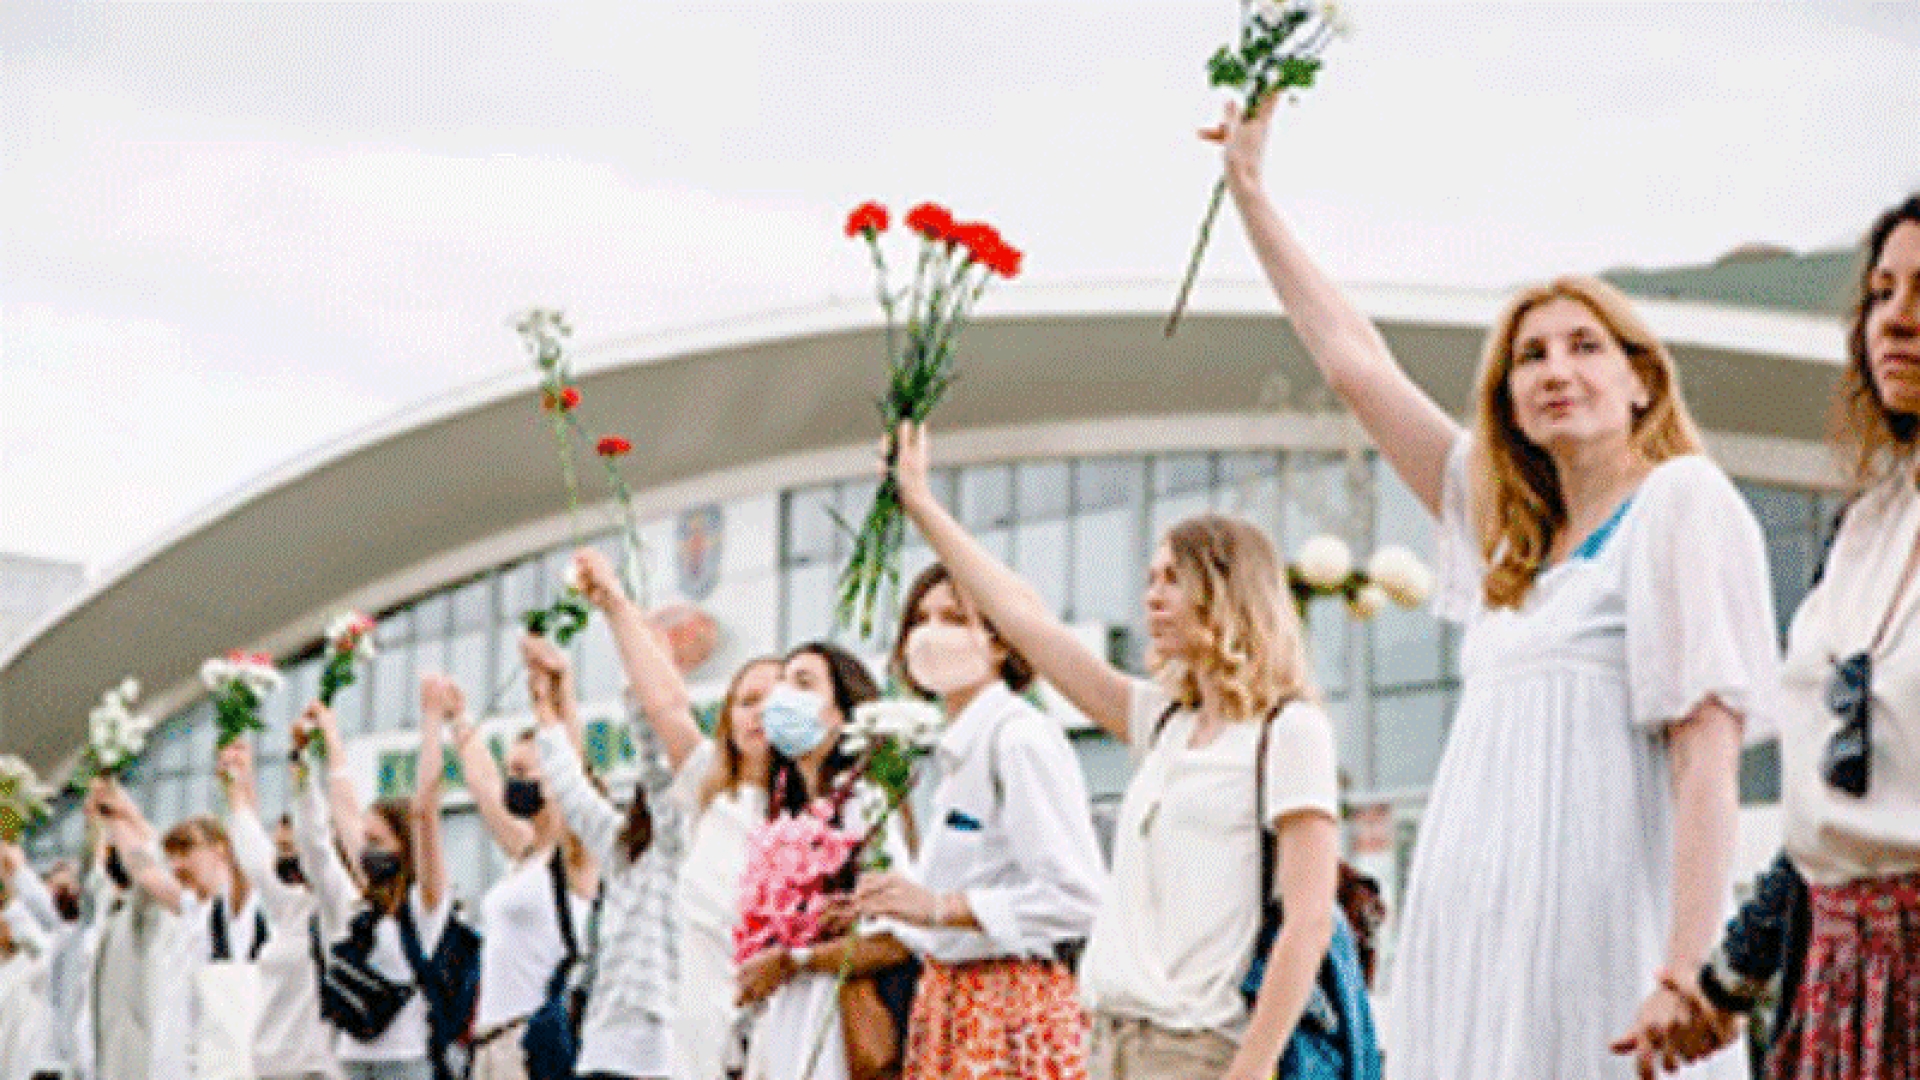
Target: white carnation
column 129, row 689
column 914, row 722
column 215, row 673
column 1369, row 600
column 572, row 579
column 1324, row 562
column 1335, row 14
column 1401, row 573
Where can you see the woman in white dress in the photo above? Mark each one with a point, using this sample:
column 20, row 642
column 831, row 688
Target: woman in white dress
column 720, row 793
column 1573, row 861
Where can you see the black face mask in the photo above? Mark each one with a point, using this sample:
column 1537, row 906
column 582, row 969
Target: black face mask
column 67, row 903
column 117, row 870
column 524, row 798
column 287, row 869
column 380, row 867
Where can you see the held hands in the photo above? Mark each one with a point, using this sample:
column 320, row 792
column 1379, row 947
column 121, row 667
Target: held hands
column 1244, row 140
column 599, row 583
column 890, row 896
column 1675, row 1026
column 441, row 700
column 549, row 677
column 316, row 723
column 763, row 974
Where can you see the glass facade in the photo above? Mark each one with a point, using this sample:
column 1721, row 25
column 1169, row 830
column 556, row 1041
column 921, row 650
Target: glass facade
column 1080, row 529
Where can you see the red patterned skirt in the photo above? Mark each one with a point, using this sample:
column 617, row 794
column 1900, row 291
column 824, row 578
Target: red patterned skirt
column 1857, row 1014
column 1001, row 1019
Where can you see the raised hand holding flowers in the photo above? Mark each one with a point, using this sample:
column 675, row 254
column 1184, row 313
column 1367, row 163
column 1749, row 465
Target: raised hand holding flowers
column 924, row 319
column 1277, row 49
column 240, row 683
column 23, row 802
column 115, row 733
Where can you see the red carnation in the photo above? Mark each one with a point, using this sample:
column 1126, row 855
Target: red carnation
column 1004, row 259
column 931, row 220
column 976, row 236
column 612, row 446
column 868, row 218
column 569, row 399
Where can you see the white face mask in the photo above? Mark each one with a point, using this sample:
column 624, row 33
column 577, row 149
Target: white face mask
column 944, row 658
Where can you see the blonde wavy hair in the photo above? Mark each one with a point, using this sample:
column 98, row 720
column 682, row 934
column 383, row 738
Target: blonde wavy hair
column 1255, row 655
column 1517, row 505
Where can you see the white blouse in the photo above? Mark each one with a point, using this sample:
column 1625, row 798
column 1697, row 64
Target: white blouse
column 1180, row 912
column 1011, row 830
column 1834, row 837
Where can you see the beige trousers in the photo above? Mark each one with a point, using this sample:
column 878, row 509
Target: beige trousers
column 502, row 1058
column 1125, row 1048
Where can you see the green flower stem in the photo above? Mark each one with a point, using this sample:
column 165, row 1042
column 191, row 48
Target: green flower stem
column 1199, row 251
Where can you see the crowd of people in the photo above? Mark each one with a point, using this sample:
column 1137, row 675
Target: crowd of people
column 1565, row 910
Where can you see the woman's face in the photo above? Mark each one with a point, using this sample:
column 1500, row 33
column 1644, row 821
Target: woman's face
column 743, row 718
column 1893, row 320
column 808, row 671
column 944, row 605
column 1172, row 623
column 1570, row 381
column 202, row 869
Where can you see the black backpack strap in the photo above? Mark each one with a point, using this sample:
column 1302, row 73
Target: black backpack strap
column 410, row 944
column 1160, row 725
column 563, row 911
column 259, row 933
column 1268, row 841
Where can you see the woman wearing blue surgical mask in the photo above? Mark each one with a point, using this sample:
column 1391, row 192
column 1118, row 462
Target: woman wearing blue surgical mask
column 523, row 941
column 1007, row 884
column 820, row 686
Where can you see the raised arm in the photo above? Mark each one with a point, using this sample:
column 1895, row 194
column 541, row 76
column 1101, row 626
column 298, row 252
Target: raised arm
column 441, row 698
column 589, row 814
column 438, row 705
column 651, row 673
column 139, row 848
column 1410, row 428
column 343, row 803
column 1095, row 687
column 252, row 849
column 337, row 889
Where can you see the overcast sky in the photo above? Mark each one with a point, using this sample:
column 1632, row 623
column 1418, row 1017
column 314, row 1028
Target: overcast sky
column 230, row 234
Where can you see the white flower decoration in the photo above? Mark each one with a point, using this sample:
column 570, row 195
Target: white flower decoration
column 1368, row 600
column 1401, row 573
column 1324, row 562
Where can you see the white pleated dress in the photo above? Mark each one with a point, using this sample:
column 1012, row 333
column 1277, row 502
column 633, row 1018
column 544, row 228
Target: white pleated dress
column 1539, row 900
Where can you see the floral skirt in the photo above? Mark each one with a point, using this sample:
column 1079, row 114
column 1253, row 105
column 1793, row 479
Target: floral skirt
column 1000, row 1019
column 1857, row 1013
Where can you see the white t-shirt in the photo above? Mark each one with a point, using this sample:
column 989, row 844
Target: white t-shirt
column 1181, row 909
column 520, row 941
column 406, row 1038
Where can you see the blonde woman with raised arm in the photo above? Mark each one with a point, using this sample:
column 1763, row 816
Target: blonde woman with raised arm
column 1573, row 862
column 1180, row 913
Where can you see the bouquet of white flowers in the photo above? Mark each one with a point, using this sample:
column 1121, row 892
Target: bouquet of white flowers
column 115, row 733
column 23, row 802
column 240, row 683
column 1324, row 567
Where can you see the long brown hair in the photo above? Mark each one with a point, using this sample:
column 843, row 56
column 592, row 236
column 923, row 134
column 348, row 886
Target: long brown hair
column 1517, row 504
column 1256, row 656
column 1870, row 436
column 398, row 814
column 727, row 766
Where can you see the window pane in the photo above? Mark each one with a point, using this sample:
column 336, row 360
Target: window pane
column 600, row 678
column 1175, row 474
column 810, row 597
column 1105, row 483
column 1409, row 731
column 1108, row 571
column 521, row 589
column 1044, row 490
column 1760, row 774
column 1316, row 498
column 393, row 692
column 1248, row 485
column 473, row 604
column 1327, row 627
column 1406, row 647
column 809, row 525
column 986, row 496
column 1041, row 557
column 509, row 680
column 467, row 663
